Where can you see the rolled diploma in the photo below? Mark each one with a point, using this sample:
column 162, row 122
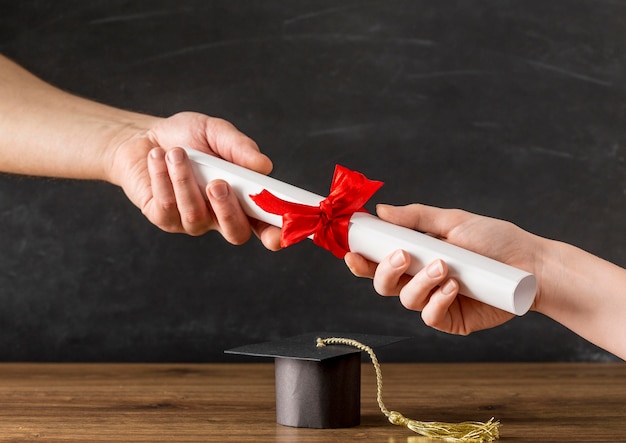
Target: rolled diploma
column 479, row 277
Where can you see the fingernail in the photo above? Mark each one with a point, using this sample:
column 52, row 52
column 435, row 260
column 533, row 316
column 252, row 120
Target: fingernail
column 175, row 155
column 219, row 191
column 397, row 259
column 156, row 153
column 435, row 269
column 449, row 287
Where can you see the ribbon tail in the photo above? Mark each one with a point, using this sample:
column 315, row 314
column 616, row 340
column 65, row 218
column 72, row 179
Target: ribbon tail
column 299, row 221
column 274, row 205
column 297, row 228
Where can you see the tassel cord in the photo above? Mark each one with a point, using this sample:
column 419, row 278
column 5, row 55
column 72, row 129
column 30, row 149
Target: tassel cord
column 467, row 432
column 379, row 376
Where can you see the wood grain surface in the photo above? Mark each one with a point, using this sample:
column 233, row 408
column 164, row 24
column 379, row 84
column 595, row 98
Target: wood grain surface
column 573, row 402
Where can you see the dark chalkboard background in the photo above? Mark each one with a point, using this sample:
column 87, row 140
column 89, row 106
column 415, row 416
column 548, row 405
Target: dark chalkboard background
column 513, row 109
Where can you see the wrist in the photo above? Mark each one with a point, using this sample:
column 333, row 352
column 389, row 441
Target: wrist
column 547, row 271
column 560, row 275
column 127, row 132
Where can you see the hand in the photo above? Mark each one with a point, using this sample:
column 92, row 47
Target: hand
column 156, row 175
column 430, row 290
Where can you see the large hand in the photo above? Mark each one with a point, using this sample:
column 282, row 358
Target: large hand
column 430, row 291
column 156, row 176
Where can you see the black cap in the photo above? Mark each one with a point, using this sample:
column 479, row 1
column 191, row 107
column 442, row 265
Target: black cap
column 316, row 387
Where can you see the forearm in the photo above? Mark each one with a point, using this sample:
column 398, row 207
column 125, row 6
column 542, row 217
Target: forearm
column 45, row 131
column 584, row 293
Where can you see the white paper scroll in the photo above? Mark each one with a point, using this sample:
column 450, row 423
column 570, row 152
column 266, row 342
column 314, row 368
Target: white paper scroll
column 479, row 277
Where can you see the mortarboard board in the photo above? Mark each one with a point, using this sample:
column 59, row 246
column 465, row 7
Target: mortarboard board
column 316, row 387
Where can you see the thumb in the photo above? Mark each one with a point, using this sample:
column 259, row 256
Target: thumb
column 423, row 218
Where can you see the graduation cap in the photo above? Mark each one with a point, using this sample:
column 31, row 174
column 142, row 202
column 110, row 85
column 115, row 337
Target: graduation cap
column 316, row 387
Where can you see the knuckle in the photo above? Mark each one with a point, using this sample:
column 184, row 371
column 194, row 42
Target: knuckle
column 239, row 237
column 163, row 219
column 219, row 125
column 168, row 206
column 428, row 319
column 183, row 180
column 411, row 303
column 167, row 225
column 198, row 228
column 194, row 219
column 382, row 288
column 414, row 298
column 160, row 174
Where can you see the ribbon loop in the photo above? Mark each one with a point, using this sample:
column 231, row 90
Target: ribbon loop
column 328, row 222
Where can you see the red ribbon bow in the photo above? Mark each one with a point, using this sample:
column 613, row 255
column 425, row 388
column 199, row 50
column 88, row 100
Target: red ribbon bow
column 329, row 221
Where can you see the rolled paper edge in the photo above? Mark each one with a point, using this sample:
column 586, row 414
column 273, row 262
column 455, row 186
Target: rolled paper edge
column 481, row 278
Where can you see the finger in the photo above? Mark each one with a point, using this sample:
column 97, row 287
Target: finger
column 232, row 222
column 161, row 209
column 268, row 234
column 359, row 265
column 390, row 276
column 236, row 147
column 194, row 214
column 423, row 218
column 415, row 294
column 437, row 312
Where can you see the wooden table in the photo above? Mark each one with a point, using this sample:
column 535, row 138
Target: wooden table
column 235, row 402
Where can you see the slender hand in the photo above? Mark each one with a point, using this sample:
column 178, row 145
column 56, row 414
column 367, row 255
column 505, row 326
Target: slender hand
column 431, row 291
column 577, row 289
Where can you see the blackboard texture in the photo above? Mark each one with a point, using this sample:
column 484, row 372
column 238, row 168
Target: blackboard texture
column 512, row 109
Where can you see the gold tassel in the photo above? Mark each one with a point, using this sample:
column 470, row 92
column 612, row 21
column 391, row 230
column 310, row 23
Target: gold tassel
column 469, row 431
